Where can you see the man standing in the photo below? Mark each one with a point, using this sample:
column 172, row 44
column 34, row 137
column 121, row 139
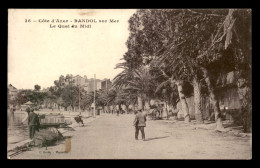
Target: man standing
column 33, row 122
column 139, row 124
column 28, row 109
column 11, row 116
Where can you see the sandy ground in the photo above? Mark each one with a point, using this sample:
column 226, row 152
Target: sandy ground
column 17, row 134
column 112, row 137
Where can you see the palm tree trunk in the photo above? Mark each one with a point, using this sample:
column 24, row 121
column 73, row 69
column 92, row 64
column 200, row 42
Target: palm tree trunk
column 214, row 99
column 127, row 108
column 197, row 101
column 114, row 109
column 244, row 92
column 184, row 104
column 134, row 107
column 167, row 110
column 147, row 105
column 73, row 108
column 140, row 102
column 120, row 108
column 103, row 108
column 109, row 109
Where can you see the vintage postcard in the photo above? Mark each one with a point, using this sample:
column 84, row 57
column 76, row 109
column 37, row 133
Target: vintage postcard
column 129, row 84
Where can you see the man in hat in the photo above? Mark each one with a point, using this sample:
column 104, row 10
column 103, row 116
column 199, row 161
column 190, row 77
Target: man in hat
column 139, row 124
column 33, row 122
column 28, row 109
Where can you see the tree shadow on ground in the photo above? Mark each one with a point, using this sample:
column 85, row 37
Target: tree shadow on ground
column 149, row 139
column 232, row 125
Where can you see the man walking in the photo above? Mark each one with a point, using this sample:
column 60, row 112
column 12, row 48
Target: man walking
column 139, row 124
column 33, row 122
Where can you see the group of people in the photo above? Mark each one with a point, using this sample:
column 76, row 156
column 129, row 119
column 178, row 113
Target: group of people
column 139, row 123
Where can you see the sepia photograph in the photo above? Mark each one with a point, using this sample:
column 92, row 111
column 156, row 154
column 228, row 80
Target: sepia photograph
column 128, row 84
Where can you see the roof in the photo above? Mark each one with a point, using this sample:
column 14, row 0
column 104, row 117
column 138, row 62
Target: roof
column 77, row 76
column 10, row 85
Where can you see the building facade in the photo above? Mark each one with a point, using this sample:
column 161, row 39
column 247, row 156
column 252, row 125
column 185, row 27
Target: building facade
column 88, row 84
column 97, row 84
column 80, row 81
column 106, row 84
column 12, row 91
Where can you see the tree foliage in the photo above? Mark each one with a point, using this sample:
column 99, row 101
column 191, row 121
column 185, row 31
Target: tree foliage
column 69, row 95
column 192, row 45
column 37, row 87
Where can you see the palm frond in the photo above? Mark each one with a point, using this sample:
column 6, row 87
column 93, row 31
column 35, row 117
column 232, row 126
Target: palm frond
column 162, row 85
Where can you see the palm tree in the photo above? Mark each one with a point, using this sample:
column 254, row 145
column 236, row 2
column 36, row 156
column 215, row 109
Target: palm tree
column 127, row 74
column 143, row 84
column 167, row 92
column 130, row 98
column 172, row 73
column 159, row 36
column 111, row 98
column 136, row 79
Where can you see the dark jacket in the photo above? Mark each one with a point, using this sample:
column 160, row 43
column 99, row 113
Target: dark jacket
column 33, row 119
column 28, row 110
column 140, row 119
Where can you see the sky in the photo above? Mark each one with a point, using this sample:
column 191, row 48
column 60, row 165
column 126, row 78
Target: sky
column 38, row 54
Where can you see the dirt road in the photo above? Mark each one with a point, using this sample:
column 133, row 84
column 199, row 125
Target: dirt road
column 112, row 137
